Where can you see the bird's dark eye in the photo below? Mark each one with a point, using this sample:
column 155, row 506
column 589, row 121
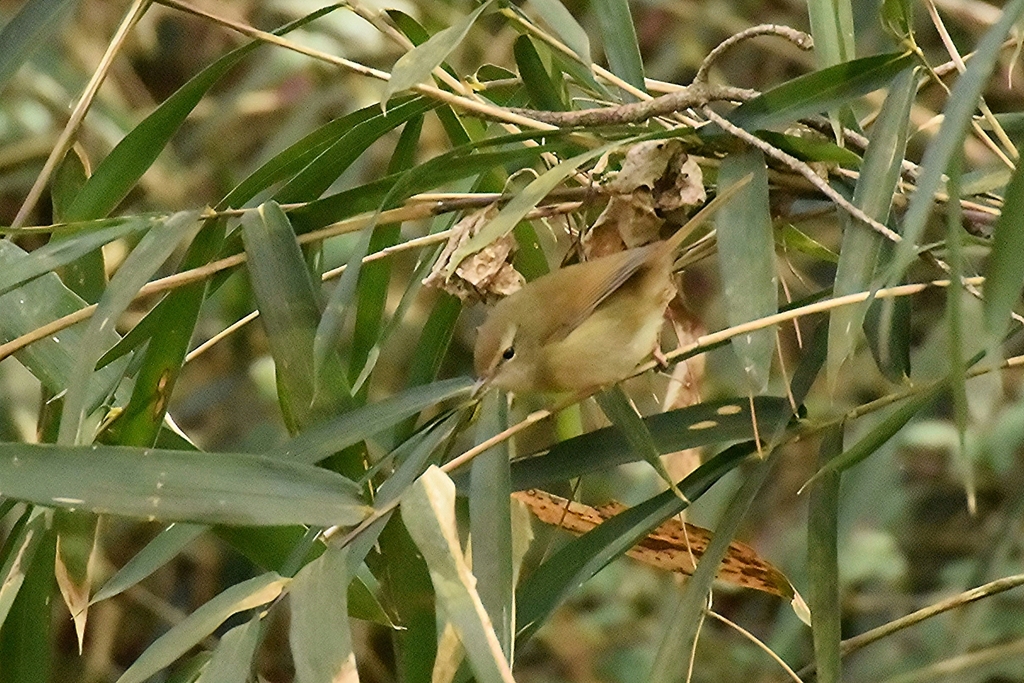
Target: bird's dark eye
column 508, row 353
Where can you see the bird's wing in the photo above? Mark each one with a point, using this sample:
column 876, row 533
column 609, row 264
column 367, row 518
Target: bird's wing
column 616, row 269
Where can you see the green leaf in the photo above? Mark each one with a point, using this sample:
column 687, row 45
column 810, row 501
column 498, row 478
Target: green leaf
column 85, row 276
column 428, row 510
column 543, row 91
column 746, row 261
column 956, row 119
column 565, row 26
column 26, row 648
column 126, row 163
column 37, row 303
column 152, row 251
column 290, row 311
column 618, row 36
column 958, row 331
column 490, row 522
column 232, row 659
column 832, row 30
column 375, row 278
column 616, row 406
column 319, row 633
column 187, row 633
column 27, row 31
column 898, row 18
column 415, row 66
column 157, row 553
column 712, row 422
column 859, row 254
column 580, row 559
column 169, row 328
column 823, row 562
column 462, row 162
column 524, row 202
column 673, row 658
column 76, row 550
column 792, row 238
column 1004, row 272
column 19, row 550
column 885, row 430
column 325, row 439
column 887, row 326
column 84, row 238
column 812, row 149
column 211, row 488
column 317, row 176
column 820, row 91
column 295, row 157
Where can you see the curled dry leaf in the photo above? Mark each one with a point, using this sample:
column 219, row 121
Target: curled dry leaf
column 628, row 221
column 657, row 178
column 486, row 275
column 674, row 546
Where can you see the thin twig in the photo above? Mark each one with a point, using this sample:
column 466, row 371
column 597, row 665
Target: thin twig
column 482, row 109
column 799, row 38
column 756, row 641
column 696, row 95
column 416, row 211
column 803, row 169
column 857, row 642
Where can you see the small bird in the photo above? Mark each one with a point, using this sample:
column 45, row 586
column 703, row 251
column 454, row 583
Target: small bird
column 580, row 327
column 586, row 325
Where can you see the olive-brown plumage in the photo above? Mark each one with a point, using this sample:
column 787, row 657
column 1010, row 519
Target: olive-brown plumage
column 580, row 327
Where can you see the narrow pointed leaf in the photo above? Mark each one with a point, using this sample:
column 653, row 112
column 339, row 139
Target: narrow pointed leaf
column 565, row 26
column 184, row 635
column 746, row 260
column 820, row 91
column 19, row 551
column 578, row 561
column 27, row 31
column 289, row 310
column 37, row 303
column 523, row 202
column 327, row 438
column 713, row 422
column 673, row 656
column 858, row 257
column 956, row 119
column 157, row 553
column 211, row 488
column 1004, row 272
column 428, row 510
column 823, row 562
column 232, row 659
column 144, row 260
column 414, row 67
column 618, row 36
column 490, row 523
column 319, row 633
column 122, row 168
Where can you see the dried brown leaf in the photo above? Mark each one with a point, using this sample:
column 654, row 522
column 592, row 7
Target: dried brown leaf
column 485, row 275
column 675, row 546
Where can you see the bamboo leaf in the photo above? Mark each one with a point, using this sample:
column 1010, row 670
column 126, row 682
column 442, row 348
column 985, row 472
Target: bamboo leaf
column 201, row 623
column 956, row 118
column 428, row 510
column 210, row 488
column 414, row 66
column 746, row 248
column 618, row 36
